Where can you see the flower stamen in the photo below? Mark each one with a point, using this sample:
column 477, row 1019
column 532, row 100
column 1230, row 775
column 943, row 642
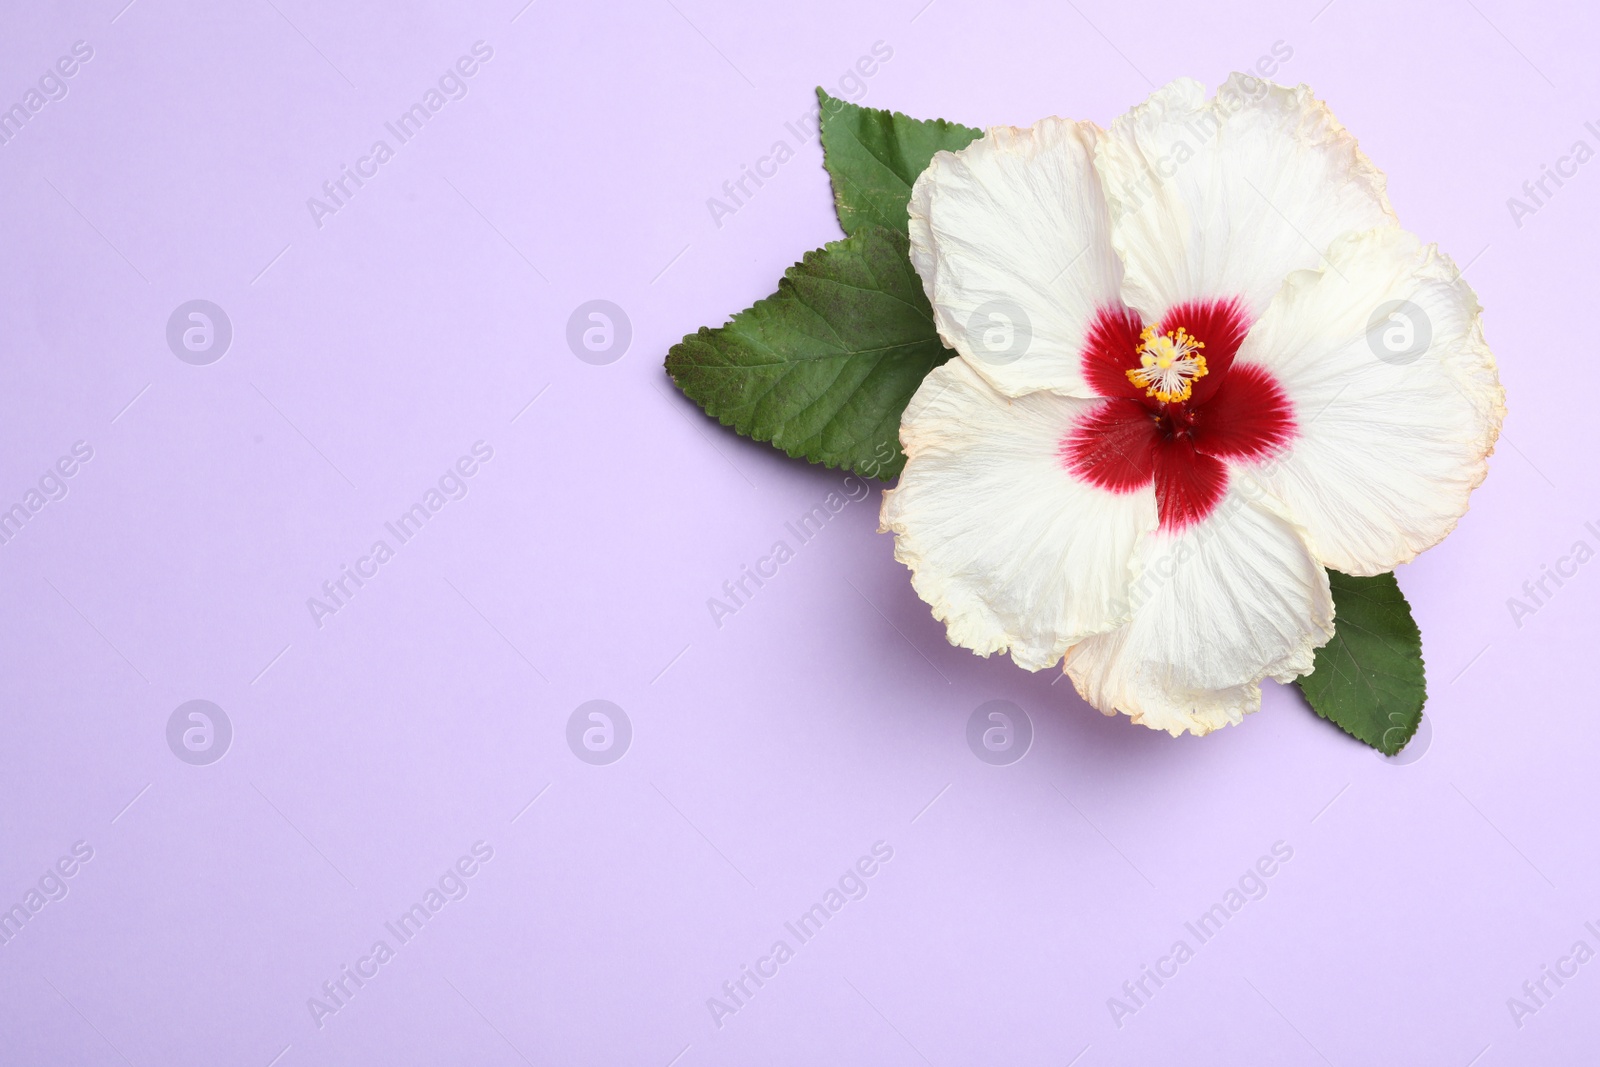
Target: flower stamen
column 1169, row 364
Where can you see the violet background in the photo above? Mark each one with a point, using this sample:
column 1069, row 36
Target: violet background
column 829, row 713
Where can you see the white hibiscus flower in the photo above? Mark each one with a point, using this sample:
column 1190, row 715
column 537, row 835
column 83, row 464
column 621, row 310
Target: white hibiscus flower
column 1170, row 412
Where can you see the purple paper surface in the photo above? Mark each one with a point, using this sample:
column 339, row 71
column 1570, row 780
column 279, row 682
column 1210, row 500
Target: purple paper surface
column 391, row 349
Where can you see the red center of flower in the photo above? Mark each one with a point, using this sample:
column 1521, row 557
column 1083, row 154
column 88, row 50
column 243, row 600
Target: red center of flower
column 1178, row 409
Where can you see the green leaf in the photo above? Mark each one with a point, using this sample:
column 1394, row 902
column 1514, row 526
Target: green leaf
column 875, row 156
column 823, row 367
column 1369, row 680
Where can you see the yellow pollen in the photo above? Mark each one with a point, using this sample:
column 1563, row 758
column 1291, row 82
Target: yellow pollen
column 1169, row 364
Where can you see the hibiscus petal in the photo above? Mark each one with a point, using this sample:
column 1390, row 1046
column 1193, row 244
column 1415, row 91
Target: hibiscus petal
column 1111, row 349
column 1009, row 547
column 1249, row 418
column 1189, row 484
column 1114, row 446
column 1217, row 607
column 1011, row 238
column 1221, row 198
column 1396, row 416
